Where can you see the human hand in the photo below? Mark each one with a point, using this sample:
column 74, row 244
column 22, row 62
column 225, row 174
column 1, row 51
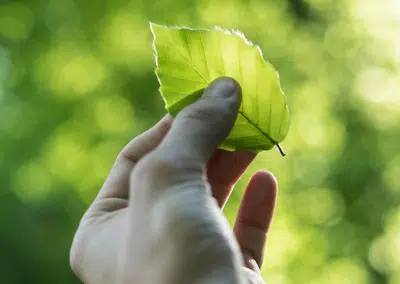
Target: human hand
column 155, row 219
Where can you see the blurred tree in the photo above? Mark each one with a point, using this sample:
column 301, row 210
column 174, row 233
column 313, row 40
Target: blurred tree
column 77, row 83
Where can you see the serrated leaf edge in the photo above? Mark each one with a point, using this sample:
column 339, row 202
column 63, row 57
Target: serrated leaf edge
column 228, row 32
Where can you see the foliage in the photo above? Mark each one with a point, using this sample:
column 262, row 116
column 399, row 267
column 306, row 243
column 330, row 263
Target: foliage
column 190, row 59
column 77, row 83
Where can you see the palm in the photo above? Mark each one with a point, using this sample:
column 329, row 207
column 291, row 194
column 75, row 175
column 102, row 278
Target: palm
column 102, row 227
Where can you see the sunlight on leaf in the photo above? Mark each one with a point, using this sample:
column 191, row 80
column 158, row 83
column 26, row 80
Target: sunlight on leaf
column 188, row 60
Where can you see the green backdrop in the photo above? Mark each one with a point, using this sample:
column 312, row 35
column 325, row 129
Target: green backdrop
column 77, row 83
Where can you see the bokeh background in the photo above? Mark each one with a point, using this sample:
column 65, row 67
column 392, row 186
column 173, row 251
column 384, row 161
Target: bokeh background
column 77, row 83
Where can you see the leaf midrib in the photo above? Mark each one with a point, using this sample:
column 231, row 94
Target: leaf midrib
column 258, row 128
column 240, row 112
column 249, row 121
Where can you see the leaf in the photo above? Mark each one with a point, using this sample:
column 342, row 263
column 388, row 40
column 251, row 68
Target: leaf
column 189, row 59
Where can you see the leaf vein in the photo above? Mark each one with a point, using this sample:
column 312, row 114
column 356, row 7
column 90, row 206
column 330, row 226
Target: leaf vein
column 269, row 113
column 257, row 96
column 180, row 78
column 205, row 57
column 222, row 58
column 246, row 137
column 240, row 72
column 191, row 65
column 259, row 129
column 187, row 44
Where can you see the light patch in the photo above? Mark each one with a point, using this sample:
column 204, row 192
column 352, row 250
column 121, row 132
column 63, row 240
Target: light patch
column 69, row 71
column 83, row 74
column 318, row 205
column 276, row 278
column 32, row 182
column 311, row 167
column 279, row 29
column 113, row 114
column 343, row 271
column 283, row 244
column 124, row 38
column 65, row 155
column 379, row 90
column 374, row 13
column 319, row 131
column 224, row 13
column 381, row 21
column 101, row 157
column 315, row 245
column 384, row 253
column 377, row 85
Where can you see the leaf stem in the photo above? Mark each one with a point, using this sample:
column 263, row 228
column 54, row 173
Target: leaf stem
column 280, row 150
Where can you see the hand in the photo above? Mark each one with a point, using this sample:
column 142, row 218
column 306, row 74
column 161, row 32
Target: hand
column 157, row 218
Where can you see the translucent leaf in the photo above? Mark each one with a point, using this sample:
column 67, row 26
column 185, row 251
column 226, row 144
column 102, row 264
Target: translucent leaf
column 189, row 59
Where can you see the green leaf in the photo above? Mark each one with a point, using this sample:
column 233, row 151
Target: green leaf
column 189, row 59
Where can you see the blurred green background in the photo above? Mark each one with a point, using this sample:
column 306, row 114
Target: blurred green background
column 77, row 83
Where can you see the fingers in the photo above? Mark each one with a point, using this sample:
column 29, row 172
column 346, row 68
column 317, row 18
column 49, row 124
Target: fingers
column 198, row 130
column 255, row 215
column 224, row 170
column 148, row 140
column 117, row 182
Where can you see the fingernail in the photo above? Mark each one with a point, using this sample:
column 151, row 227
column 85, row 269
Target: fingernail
column 224, row 87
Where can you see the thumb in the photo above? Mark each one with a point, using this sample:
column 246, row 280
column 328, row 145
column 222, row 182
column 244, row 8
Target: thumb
column 170, row 203
column 198, row 130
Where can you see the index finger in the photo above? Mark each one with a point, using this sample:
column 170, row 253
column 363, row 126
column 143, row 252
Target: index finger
column 224, row 169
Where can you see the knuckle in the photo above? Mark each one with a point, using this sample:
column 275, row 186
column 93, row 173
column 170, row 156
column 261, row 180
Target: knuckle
column 160, row 170
column 152, row 166
column 161, row 164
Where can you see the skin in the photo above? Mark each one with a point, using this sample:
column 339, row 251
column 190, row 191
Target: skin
column 157, row 218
